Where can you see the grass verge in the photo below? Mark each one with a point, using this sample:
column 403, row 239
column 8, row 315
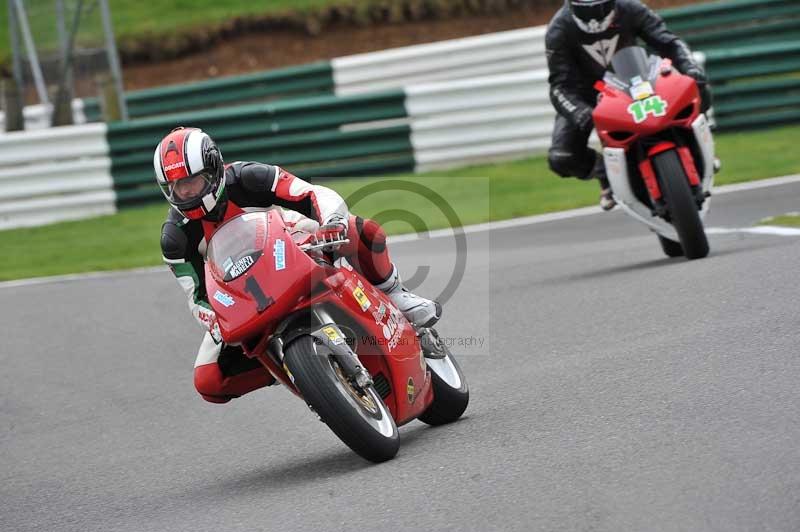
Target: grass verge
column 785, row 220
column 134, row 18
column 477, row 194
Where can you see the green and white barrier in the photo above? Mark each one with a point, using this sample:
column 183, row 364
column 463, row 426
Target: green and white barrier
column 471, row 57
column 460, row 122
column 40, row 116
column 55, row 174
column 415, row 108
column 708, row 27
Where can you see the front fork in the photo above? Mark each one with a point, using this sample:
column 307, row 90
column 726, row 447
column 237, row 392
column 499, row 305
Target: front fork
column 651, row 181
column 326, row 332
column 432, row 346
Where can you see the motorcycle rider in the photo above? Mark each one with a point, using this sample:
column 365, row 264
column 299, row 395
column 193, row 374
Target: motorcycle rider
column 580, row 41
column 203, row 192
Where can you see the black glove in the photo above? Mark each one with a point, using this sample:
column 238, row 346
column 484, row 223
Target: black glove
column 699, row 75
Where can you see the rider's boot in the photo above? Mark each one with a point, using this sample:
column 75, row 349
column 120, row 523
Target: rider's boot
column 419, row 311
column 607, row 201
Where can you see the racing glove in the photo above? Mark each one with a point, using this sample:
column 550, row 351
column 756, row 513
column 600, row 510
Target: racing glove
column 209, row 319
column 699, row 75
column 694, row 71
column 333, row 229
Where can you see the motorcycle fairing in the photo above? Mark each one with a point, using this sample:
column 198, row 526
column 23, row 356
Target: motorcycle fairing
column 301, row 290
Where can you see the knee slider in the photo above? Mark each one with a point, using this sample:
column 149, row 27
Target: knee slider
column 560, row 162
column 568, row 164
column 208, row 383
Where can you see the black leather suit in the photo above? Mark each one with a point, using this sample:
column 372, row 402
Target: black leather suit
column 577, row 59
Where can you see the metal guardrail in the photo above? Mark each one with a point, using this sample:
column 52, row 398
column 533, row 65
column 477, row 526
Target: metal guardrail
column 303, row 80
column 491, row 103
column 700, row 18
column 303, row 134
column 711, row 27
column 68, row 181
column 468, row 121
column 62, row 144
column 40, row 116
column 484, row 55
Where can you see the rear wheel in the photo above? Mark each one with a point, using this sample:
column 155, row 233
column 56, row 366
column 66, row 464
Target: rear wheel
column 681, row 204
column 359, row 418
column 670, row 247
column 450, row 390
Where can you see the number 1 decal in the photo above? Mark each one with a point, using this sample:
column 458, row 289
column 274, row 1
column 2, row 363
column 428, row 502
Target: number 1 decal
column 262, row 300
column 653, row 105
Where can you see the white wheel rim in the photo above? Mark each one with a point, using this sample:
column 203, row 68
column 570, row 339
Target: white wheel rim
column 446, row 370
column 381, row 421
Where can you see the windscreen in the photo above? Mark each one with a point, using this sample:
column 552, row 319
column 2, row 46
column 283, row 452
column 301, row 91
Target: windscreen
column 634, row 72
column 630, row 63
column 237, row 245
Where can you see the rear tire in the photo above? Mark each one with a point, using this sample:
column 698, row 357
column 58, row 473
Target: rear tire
column 450, row 391
column 670, row 247
column 370, row 430
column 681, row 204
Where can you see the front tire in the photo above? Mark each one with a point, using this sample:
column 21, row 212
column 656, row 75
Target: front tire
column 360, row 419
column 670, row 247
column 450, row 391
column 681, row 204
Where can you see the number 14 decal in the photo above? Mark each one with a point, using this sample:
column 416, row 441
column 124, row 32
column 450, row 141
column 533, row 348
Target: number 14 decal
column 653, row 105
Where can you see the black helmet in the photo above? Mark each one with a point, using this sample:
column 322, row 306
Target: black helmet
column 592, row 16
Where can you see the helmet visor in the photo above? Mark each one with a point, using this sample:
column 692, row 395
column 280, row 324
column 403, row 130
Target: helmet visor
column 596, row 10
column 190, row 189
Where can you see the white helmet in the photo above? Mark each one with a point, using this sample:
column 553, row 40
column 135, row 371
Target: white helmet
column 190, row 171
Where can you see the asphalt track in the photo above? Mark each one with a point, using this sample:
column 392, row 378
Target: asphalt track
column 615, row 390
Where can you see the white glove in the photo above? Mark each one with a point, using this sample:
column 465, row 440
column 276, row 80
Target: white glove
column 209, row 319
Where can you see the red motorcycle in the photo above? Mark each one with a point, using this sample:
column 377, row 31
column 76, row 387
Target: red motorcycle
column 328, row 335
column 658, row 148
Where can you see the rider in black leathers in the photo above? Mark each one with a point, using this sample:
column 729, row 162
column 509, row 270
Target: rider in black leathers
column 581, row 39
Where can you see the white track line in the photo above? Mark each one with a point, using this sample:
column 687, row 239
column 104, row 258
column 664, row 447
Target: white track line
column 584, row 211
column 477, row 228
column 79, row 277
column 760, row 230
column 502, row 224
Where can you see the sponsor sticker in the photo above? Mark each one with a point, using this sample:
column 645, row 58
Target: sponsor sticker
column 653, row 105
column 393, row 329
column 279, row 252
column 333, row 335
column 288, row 373
column 641, row 90
column 362, row 299
column 241, row 266
column 174, row 166
column 379, row 313
column 227, row 265
column 411, row 390
column 224, row 298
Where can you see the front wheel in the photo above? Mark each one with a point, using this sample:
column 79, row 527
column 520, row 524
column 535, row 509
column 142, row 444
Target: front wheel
column 450, row 390
column 681, row 204
column 359, row 418
column 670, row 247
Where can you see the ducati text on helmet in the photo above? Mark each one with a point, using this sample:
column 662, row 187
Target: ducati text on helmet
column 190, row 171
column 593, row 16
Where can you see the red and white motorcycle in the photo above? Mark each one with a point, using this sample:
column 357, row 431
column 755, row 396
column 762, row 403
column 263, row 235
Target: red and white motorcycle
column 658, row 148
column 328, row 335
